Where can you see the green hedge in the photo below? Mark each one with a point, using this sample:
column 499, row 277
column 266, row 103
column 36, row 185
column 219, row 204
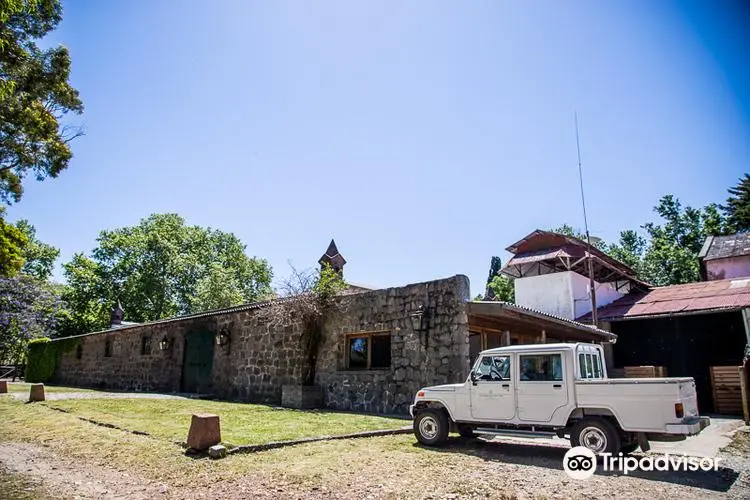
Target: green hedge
column 43, row 356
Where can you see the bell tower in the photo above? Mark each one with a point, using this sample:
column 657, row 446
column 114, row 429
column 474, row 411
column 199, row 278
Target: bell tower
column 333, row 258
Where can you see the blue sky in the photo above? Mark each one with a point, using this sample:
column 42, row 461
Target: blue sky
column 424, row 137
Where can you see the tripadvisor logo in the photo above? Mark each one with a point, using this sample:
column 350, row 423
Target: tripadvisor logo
column 581, row 463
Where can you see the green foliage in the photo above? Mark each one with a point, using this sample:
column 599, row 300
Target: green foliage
column 668, row 255
column 499, row 287
column 158, row 269
column 218, row 289
column 737, row 208
column 35, row 96
column 39, row 258
column 502, row 288
column 576, row 233
column 12, row 246
column 43, row 357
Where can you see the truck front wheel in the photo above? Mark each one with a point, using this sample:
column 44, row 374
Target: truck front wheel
column 431, row 427
column 596, row 434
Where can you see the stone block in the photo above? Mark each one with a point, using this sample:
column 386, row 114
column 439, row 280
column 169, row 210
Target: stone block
column 3, row 387
column 204, row 431
column 217, row 451
column 301, row 396
column 36, row 393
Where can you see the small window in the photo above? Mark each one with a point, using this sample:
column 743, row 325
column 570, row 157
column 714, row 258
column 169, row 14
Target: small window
column 108, row 348
column 590, row 365
column 541, row 368
column 368, row 351
column 79, row 351
column 493, row 368
column 145, row 345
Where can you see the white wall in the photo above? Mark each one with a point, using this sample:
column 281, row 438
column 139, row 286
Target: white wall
column 550, row 293
column 564, row 294
column 605, row 294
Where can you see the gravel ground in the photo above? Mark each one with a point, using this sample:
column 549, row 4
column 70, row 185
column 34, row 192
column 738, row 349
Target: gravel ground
column 389, row 468
column 58, row 396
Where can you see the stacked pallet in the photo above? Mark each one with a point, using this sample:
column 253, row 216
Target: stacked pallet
column 726, row 387
column 645, row 371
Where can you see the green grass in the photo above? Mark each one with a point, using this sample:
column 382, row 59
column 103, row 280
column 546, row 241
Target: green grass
column 24, row 387
column 240, row 423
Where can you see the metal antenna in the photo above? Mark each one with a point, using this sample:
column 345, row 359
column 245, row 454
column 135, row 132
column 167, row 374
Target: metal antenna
column 592, row 283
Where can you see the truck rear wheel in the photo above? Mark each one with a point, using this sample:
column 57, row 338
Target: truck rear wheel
column 431, row 427
column 596, row 434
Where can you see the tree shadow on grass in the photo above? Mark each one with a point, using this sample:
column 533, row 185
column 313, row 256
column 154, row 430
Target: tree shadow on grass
column 551, row 457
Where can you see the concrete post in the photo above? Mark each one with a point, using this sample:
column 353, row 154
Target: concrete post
column 204, row 432
column 36, row 393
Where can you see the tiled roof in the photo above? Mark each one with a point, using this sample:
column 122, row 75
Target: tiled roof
column 722, row 247
column 691, row 298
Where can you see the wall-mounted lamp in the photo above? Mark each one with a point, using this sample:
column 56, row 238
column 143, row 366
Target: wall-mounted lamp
column 417, row 319
column 165, row 344
column 420, row 322
column 222, row 338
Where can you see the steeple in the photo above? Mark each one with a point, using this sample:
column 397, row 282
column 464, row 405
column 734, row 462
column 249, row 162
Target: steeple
column 334, row 258
column 117, row 315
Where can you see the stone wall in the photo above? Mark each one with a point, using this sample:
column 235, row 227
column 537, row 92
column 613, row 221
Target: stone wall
column 259, row 358
column 418, row 359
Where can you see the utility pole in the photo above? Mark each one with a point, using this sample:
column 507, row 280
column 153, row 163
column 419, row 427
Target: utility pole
column 590, row 260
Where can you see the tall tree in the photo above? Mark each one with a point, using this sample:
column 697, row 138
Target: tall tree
column 157, row 269
column 39, row 257
column 35, row 96
column 737, row 208
column 28, row 309
column 672, row 254
column 13, row 243
column 218, row 289
column 499, row 286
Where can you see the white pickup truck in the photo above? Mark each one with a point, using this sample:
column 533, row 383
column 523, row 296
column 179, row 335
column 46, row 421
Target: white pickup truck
column 546, row 390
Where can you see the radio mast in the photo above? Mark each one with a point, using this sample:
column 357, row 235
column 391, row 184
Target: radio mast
column 590, row 260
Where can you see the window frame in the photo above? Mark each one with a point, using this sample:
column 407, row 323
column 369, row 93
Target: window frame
column 146, row 345
column 108, row 348
column 478, row 364
column 366, row 335
column 559, row 354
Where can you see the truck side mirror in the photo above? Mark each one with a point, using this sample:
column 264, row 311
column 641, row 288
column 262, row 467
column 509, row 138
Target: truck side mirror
column 473, row 377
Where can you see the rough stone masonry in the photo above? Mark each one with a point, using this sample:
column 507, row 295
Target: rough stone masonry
column 257, row 358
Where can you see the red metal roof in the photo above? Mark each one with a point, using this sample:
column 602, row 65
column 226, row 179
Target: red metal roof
column 719, row 295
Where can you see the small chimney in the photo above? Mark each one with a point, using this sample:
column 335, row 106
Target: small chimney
column 117, row 315
column 333, row 258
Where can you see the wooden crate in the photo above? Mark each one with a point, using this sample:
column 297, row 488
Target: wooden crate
column 645, row 371
column 726, row 388
column 616, row 373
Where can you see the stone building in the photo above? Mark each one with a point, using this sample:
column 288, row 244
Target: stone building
column 377, row 350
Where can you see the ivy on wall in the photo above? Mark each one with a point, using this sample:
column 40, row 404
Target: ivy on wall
column 43, row 357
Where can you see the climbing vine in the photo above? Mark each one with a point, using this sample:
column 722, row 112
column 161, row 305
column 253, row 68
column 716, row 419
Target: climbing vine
column 43, row 357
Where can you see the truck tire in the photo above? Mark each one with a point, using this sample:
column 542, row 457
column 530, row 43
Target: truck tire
column 466, row 431
column 597, row 434
column 629, row 448
column 431, row 427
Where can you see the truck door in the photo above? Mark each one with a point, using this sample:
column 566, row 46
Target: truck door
column 492, row 389
column 542, row 386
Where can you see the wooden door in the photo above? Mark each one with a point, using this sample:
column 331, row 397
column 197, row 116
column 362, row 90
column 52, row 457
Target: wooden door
column 199, row 356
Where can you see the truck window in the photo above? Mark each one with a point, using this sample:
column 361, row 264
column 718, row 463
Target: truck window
column 493, row 368
column 541, row 368
column 590, row 366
